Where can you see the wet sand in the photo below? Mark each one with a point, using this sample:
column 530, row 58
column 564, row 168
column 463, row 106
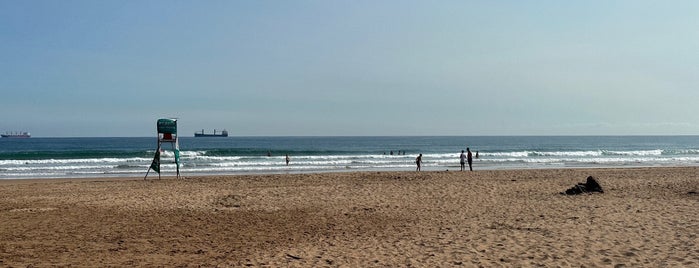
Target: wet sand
column 646, row 217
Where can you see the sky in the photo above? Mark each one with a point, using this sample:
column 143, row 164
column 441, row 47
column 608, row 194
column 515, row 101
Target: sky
column 350, row 68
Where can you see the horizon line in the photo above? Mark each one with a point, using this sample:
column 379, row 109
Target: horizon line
column 370, row 136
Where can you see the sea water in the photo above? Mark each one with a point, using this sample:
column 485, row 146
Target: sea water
column 118, row 157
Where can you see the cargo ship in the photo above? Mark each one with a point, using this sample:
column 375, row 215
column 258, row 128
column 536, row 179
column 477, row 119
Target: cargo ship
column 16, row 135
column 223, row 133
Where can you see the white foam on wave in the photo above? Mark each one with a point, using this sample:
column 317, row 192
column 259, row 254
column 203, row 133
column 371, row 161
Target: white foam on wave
column 199, row 162
column 564, row 154
column 635, row 153
column 212, row 158
column 170, row 153
column 504, row 154
column 57, row 168
column 70, row 161
column 681, row 151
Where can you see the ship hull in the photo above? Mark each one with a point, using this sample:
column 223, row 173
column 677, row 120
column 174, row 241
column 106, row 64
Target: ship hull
column 15, row 136
column 210, row 135
column 220, row 134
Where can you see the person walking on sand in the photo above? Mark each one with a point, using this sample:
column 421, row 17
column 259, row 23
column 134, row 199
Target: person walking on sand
column 287, row 159
column 469, row 157
column 462, row 160
column 418, row 161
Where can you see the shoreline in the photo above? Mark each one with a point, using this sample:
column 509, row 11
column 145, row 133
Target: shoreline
column 646, row 217
column 131, row 157
column 453, row 168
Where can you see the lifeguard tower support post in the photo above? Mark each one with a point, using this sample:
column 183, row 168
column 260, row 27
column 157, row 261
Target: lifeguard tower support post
column 167, row 133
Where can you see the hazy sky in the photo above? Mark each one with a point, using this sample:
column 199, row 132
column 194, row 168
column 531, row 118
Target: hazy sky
column 112, row 68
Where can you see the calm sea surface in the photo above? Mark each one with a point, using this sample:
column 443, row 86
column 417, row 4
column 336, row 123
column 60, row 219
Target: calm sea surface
column 112, row 157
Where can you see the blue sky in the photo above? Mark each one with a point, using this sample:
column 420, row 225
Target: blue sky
column 271, row 68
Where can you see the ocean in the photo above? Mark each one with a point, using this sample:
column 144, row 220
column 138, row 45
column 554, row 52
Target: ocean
column 131, row 157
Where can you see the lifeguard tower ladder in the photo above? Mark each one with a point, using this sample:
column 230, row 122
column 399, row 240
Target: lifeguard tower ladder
column 167, row 133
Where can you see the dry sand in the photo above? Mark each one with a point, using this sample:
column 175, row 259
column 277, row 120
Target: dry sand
column 648, row 217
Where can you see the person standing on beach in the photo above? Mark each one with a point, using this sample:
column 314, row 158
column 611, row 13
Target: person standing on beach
column 469, row 157
column 462, row 160
column 418, row 161
column 287, row 159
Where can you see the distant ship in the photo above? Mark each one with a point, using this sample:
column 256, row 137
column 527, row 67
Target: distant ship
column 224, row 133
column 16, row 135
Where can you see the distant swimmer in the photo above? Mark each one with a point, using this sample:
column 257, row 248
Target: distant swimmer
column 476, row 154
column 287, row 159
column 418, row 161
column 462, row 160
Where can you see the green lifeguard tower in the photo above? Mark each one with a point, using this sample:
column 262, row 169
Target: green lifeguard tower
column 167, row 133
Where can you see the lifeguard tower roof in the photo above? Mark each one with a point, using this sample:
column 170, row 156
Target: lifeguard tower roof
column 167, row 125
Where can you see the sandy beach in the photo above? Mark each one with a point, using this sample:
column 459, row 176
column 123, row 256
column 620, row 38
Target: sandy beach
column 647, row 217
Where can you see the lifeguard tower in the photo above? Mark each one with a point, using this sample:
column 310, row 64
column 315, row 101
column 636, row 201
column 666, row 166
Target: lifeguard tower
column 167, row 133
